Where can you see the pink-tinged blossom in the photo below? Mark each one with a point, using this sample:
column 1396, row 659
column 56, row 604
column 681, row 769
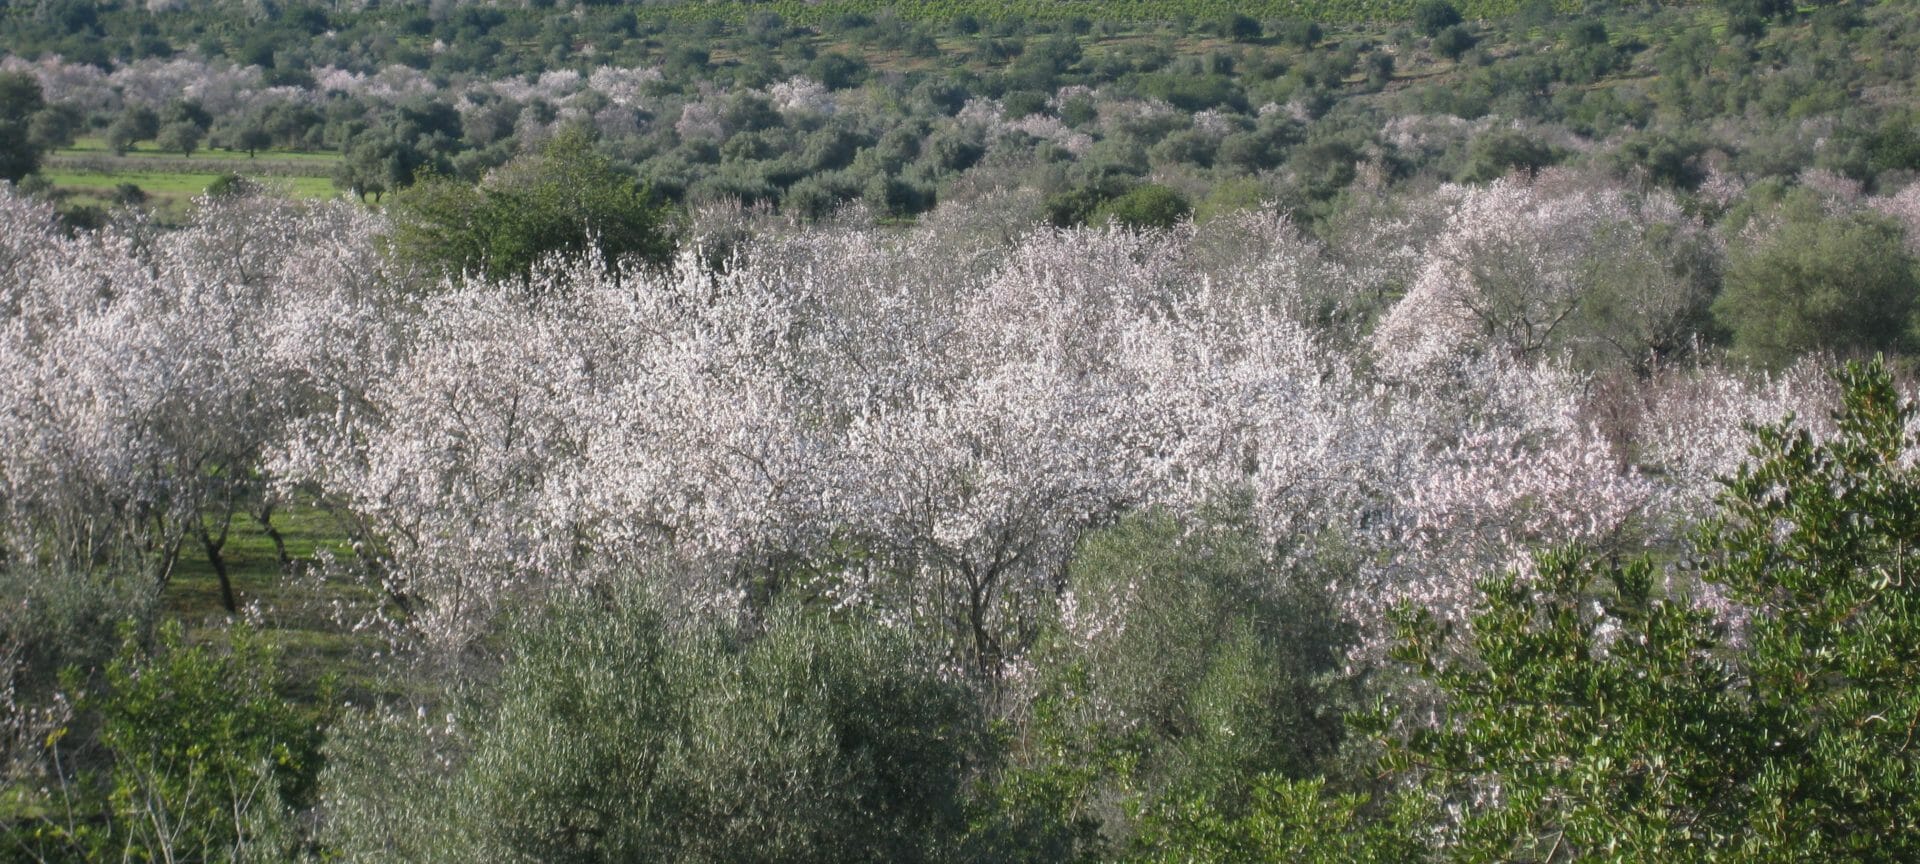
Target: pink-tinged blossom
column 1215, row 123
column 980, row 111
column 144, row 383
column 1049, row 128
column 701, row 119
column 153, row 83
column 802, row 97
column 1693, row 430
column 1722, row 186
column 1838, row 192
column 1130, row 116
column 1429, row 134
column 391, row 84
column 82, row 85
column 916, row 424
column 1067, row 94
column 615, row 122
column 1903, row 207
column 1523, row 265
column 624, row 87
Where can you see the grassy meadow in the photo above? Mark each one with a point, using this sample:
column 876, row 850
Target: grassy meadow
column 89, row 172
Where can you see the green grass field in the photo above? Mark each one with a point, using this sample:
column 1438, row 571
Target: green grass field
column 297, row 612
column 90, row 173
column 175, row 183
column 170, row 193
column 96, row 146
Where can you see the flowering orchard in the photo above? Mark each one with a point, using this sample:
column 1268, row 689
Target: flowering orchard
column 916, row 425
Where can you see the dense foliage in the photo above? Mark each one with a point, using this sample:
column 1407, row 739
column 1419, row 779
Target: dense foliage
column 1600, row 712
column 615, row 736
column 564, row 201
column 203, row 760
column 818, row 106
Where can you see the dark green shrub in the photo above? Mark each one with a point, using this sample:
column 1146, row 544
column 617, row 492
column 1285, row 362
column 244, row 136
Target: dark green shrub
column 1076, row 205
column 20, row 100
column 1021, row 103
column 837, row 71
column 1213, row 650
column 1148, row 205
column 1241, row 28
column 131, row 195
column 1300, row 34
column 1296, row 821
column 1196, row 92
column 1622, row 720
column 614, row 735
column 1667, row 160
column 225, row 186
column 1379, row 69
column 201, row 758
column 1502, row 152
column 1454, row 42
column 1433, row 16
column 1841, row 284
column 1185, row 666
column 567, row 201
column 52, row 620
column 1755, row 705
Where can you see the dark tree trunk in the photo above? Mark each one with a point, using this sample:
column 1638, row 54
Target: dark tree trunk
column 265, row 517
column 214, row 546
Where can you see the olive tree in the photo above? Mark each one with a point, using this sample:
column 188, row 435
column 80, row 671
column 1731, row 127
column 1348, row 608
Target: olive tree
column 1843, row 284
column 617, row 733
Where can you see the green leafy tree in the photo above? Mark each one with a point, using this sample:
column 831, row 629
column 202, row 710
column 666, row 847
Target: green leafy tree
column 1454, row 42
column 1148, row 205
column 1599, row 713
column 1502, row 152
column 1765, row 9
column 1301, row 34
column 1296, row 821
column 20, row 99
column 133, row 126
column 1668, row 160
column 187, row 111
column 1042, row 807
column 1076, row 205
column 246, row 132
column 1589, row 702
column 54, row 126
column 1842, row 284
column 1242, row 28
column 617, row 735
column 1380, row 67
column 181, row 136
column 566, row 200
column 1189, row 673
column 53, row 618
column 1433, row 16
column 1755, row 705
column 202, row 759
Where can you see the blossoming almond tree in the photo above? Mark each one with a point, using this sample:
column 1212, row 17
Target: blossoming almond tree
column 917, row 425
column 1555, row 261
column 146, row 377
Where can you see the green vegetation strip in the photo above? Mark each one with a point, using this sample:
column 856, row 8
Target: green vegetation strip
column 174, row 183
column 176, row 164
column 96, row 147
column 1346, row 11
